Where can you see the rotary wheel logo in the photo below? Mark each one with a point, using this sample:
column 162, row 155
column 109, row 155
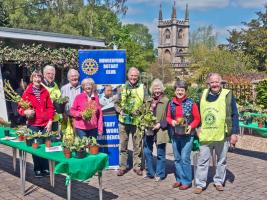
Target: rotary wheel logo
column 210, row 119
column 90, row 66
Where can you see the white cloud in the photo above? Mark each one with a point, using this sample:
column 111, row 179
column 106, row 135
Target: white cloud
column 222, row 32
column 251, row 3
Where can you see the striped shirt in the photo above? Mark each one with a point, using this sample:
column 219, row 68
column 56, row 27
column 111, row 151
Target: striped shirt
column 36, row 92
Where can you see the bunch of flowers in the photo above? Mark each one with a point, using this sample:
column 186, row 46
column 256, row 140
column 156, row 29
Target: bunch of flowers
column 89, row 111
column 13, row 96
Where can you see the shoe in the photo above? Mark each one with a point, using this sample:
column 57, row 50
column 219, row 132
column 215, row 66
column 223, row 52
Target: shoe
column 139, row 172
column 38, row 174
column 219, row 188
column 184, row 187
column 148, row 177
column 158, row 179
column 176, row 185
column 46, row 172
column 121, row 172
column 198, row 190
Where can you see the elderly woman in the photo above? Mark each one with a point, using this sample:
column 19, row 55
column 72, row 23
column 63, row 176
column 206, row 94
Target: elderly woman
column 158, row 103
column 87, row 101
column 39, row 116
column 184, row 108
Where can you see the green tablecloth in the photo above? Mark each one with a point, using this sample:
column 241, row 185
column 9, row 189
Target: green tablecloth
column 78, row 169
column 261, row 131
column 258, row 114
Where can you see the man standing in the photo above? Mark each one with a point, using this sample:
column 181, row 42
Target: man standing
column 52, row 87
column 71, row 89
column 131, row 98
column 219, row 126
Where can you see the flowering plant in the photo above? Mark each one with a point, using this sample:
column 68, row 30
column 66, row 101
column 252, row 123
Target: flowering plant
column 89, row 110
column 13, row 96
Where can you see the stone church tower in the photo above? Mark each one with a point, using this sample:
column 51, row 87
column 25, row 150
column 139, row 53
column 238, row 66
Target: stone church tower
column 173, row 39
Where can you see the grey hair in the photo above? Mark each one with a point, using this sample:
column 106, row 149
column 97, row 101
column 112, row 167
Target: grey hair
column 89, row 81
column 157, row 82
column 133, row 69
column 48, row 67
column 71, row 71
column 213, row 74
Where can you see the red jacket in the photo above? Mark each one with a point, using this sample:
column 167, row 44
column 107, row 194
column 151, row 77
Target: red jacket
column 179, row 112
column 44, row 110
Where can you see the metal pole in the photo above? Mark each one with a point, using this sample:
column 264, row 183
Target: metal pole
column 100, row 186
column 14, row 158
column 69, row 191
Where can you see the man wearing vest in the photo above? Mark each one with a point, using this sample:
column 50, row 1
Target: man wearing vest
column 219, row 126
column 50, row 84
column 130, row 99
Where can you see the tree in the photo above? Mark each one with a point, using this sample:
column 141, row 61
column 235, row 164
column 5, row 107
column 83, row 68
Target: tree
column 118, row 6
column 252, row 40
column 3, row 15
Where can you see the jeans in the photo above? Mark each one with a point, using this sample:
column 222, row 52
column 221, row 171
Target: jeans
column 161, row 161
column 40, row 164
column 182, row 147
column 221, row 149
column 86, row 133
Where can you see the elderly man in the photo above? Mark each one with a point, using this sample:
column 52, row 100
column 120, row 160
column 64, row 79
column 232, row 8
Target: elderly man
column 219, row 129
column 49, row 83
column 130, row 99
column 71, row 89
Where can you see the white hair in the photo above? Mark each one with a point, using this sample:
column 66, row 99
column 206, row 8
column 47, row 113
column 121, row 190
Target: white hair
column 72, row 71
column 158, row 83
column 213, row 74
column 88, row 81
column 133, row 69
column 49, row 67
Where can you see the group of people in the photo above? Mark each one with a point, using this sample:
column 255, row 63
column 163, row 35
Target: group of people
column 214, row 121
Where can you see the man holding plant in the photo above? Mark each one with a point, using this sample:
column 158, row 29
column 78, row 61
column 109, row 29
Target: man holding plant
column 39, row 115
column 219, row 129
column 182, row 114
column 130, row 99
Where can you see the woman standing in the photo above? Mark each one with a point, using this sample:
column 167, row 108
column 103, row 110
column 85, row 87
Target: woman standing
column 39, row 116
column 181, row 109
column 87, row 101
column 158, row 103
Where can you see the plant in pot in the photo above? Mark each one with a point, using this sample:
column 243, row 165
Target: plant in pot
column 29, row 139
column 20, row 135
column 146, row 120
column 127, row 106
column 79, row 146
column 89, row 110
column 247, row 118
column 47, row 138
column 35, row 144
column 260, row 120
column 39, row 137
column 59, row 104
column 94, row 146
column 180, row 127
column 67, row 144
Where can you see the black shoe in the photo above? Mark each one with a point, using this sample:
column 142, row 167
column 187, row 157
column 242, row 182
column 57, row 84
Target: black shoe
column 38, row 174
column 46, row 172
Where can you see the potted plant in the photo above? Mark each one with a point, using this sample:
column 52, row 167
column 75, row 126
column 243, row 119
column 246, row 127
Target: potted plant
column 35, row 144
column 146, row 120
column 89, row 110
column 180, row 127
column 260, row 120
column 67, row 144
column 94, row 146
column 20, row 135
column 29, row 140
column 59, row 104
column 47, row 138
column 127, row 105
column 247, row 118
column 79, row 146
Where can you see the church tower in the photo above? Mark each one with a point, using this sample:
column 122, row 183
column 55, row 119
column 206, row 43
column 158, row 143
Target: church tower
column 173, row 39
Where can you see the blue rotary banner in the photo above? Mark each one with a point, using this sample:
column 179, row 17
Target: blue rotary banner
column 103, row 66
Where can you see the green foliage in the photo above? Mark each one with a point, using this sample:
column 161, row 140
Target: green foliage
column 146, row 119
column 261, row 90
column 195, row 93
column 79, row 144
column 93, row 141
column 62, row 100
column 169, row 92
column 252, row 40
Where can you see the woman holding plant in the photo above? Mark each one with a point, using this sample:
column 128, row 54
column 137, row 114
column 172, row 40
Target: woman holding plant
column 39, row 115
column 157, row 104
column 86, row 111
column 182, row 113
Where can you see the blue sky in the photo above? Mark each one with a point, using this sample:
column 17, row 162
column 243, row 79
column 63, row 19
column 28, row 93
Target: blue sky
column 223, row 15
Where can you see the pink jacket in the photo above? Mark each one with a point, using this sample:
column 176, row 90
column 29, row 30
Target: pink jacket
column 79, row 105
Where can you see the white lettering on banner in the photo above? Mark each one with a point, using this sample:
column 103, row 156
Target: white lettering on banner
column 110, row 66
column 112, row 130
column 108, row 137
column 111, row 60
column 110, row 71
column 109, row 124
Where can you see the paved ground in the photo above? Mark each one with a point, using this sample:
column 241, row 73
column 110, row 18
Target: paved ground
column 246, row 179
